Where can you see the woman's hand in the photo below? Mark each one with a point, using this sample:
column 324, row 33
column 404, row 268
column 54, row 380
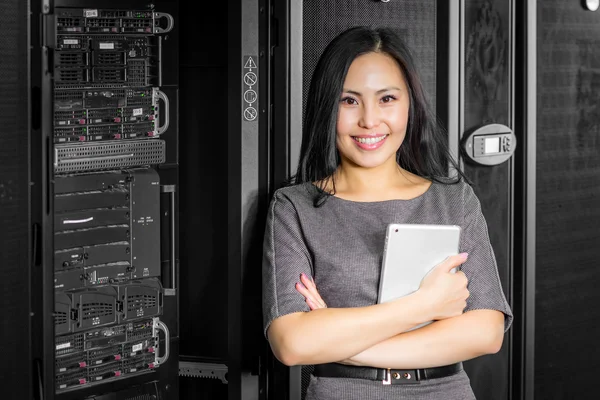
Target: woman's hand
column 308, row 289
column 446, row 292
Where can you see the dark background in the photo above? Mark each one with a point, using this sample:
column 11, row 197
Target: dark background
column 567, row 323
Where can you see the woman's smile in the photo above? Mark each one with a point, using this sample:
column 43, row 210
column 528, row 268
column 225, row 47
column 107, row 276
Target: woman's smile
column 370, row 142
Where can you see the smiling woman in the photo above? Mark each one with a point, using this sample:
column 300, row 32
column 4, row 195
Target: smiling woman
column 371, row 155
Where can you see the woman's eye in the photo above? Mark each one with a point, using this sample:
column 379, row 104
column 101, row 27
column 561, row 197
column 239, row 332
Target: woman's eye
column 349, row 101
column 387, row 99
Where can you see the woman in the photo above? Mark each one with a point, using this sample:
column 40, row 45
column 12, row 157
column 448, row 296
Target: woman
column 372, row 155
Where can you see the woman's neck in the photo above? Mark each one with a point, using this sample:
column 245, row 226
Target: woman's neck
column 385, row 182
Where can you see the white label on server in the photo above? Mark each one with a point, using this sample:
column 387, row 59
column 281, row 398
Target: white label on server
column 138, row 111
column 107, row 46
column 63, row 346
column 70, row 41
column 137, row 347
column 90, row 13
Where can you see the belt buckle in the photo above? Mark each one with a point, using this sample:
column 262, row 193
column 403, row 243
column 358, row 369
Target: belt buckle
column 388, row 377
column 401, row 377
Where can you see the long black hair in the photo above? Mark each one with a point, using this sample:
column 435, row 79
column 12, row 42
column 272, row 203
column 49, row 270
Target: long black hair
column 424, row 151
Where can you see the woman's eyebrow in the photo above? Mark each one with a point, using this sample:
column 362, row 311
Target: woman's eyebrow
column 387, row 89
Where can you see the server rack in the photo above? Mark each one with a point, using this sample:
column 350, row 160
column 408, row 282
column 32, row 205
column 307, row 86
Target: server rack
column 104, row 170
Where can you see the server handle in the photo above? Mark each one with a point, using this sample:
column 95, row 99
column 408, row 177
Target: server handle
column 162, row 96
column 159, row 325
column 171, row 190
column 170, row 20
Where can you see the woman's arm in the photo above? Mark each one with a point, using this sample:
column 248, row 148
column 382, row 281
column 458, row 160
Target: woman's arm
column 473, row 334
column 329, row 335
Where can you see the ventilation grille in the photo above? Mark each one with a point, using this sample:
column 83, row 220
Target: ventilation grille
column 142, row 397
column 67, row 95
column 90, row 157
column 71, row 75
column 136, row 70
column 65, row 59
column 60, row 318
column 102, row 22
column 96, row 310
column 107, row 75
column 141, row 301
column 62, row 309
column 109, row 58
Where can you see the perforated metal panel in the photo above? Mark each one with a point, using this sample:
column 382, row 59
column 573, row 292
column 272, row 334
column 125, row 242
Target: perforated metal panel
column 91, row 157
column 567, row 316
column 14, row 197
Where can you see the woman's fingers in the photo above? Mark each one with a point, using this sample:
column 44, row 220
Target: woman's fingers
column 308, row 296
column 306, row 287
column 303, row 290
column 312, row 288
column 311, row 304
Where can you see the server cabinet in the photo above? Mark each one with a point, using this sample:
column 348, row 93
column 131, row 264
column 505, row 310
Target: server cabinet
column 447, row 39
column 104, row 168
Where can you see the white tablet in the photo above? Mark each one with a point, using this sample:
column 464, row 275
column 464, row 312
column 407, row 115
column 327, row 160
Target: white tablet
column 410, row 252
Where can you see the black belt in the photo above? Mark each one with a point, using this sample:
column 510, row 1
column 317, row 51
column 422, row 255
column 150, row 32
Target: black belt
column 387, row 376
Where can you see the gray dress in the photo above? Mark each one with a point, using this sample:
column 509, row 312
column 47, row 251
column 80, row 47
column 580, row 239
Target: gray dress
column 341, row 245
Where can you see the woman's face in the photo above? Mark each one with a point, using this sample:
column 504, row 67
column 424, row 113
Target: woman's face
column 373, row 111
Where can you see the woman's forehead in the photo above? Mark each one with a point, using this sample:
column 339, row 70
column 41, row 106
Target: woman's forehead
column 374, row 71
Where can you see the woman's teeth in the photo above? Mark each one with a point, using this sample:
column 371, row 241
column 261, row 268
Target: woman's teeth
column 370, row 140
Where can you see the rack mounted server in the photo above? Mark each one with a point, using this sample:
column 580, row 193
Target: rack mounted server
column 108, row 117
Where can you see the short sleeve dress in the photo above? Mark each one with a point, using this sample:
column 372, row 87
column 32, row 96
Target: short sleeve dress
column 341, row 244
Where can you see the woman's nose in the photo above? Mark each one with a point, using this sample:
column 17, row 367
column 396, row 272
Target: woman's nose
column 370, row 117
